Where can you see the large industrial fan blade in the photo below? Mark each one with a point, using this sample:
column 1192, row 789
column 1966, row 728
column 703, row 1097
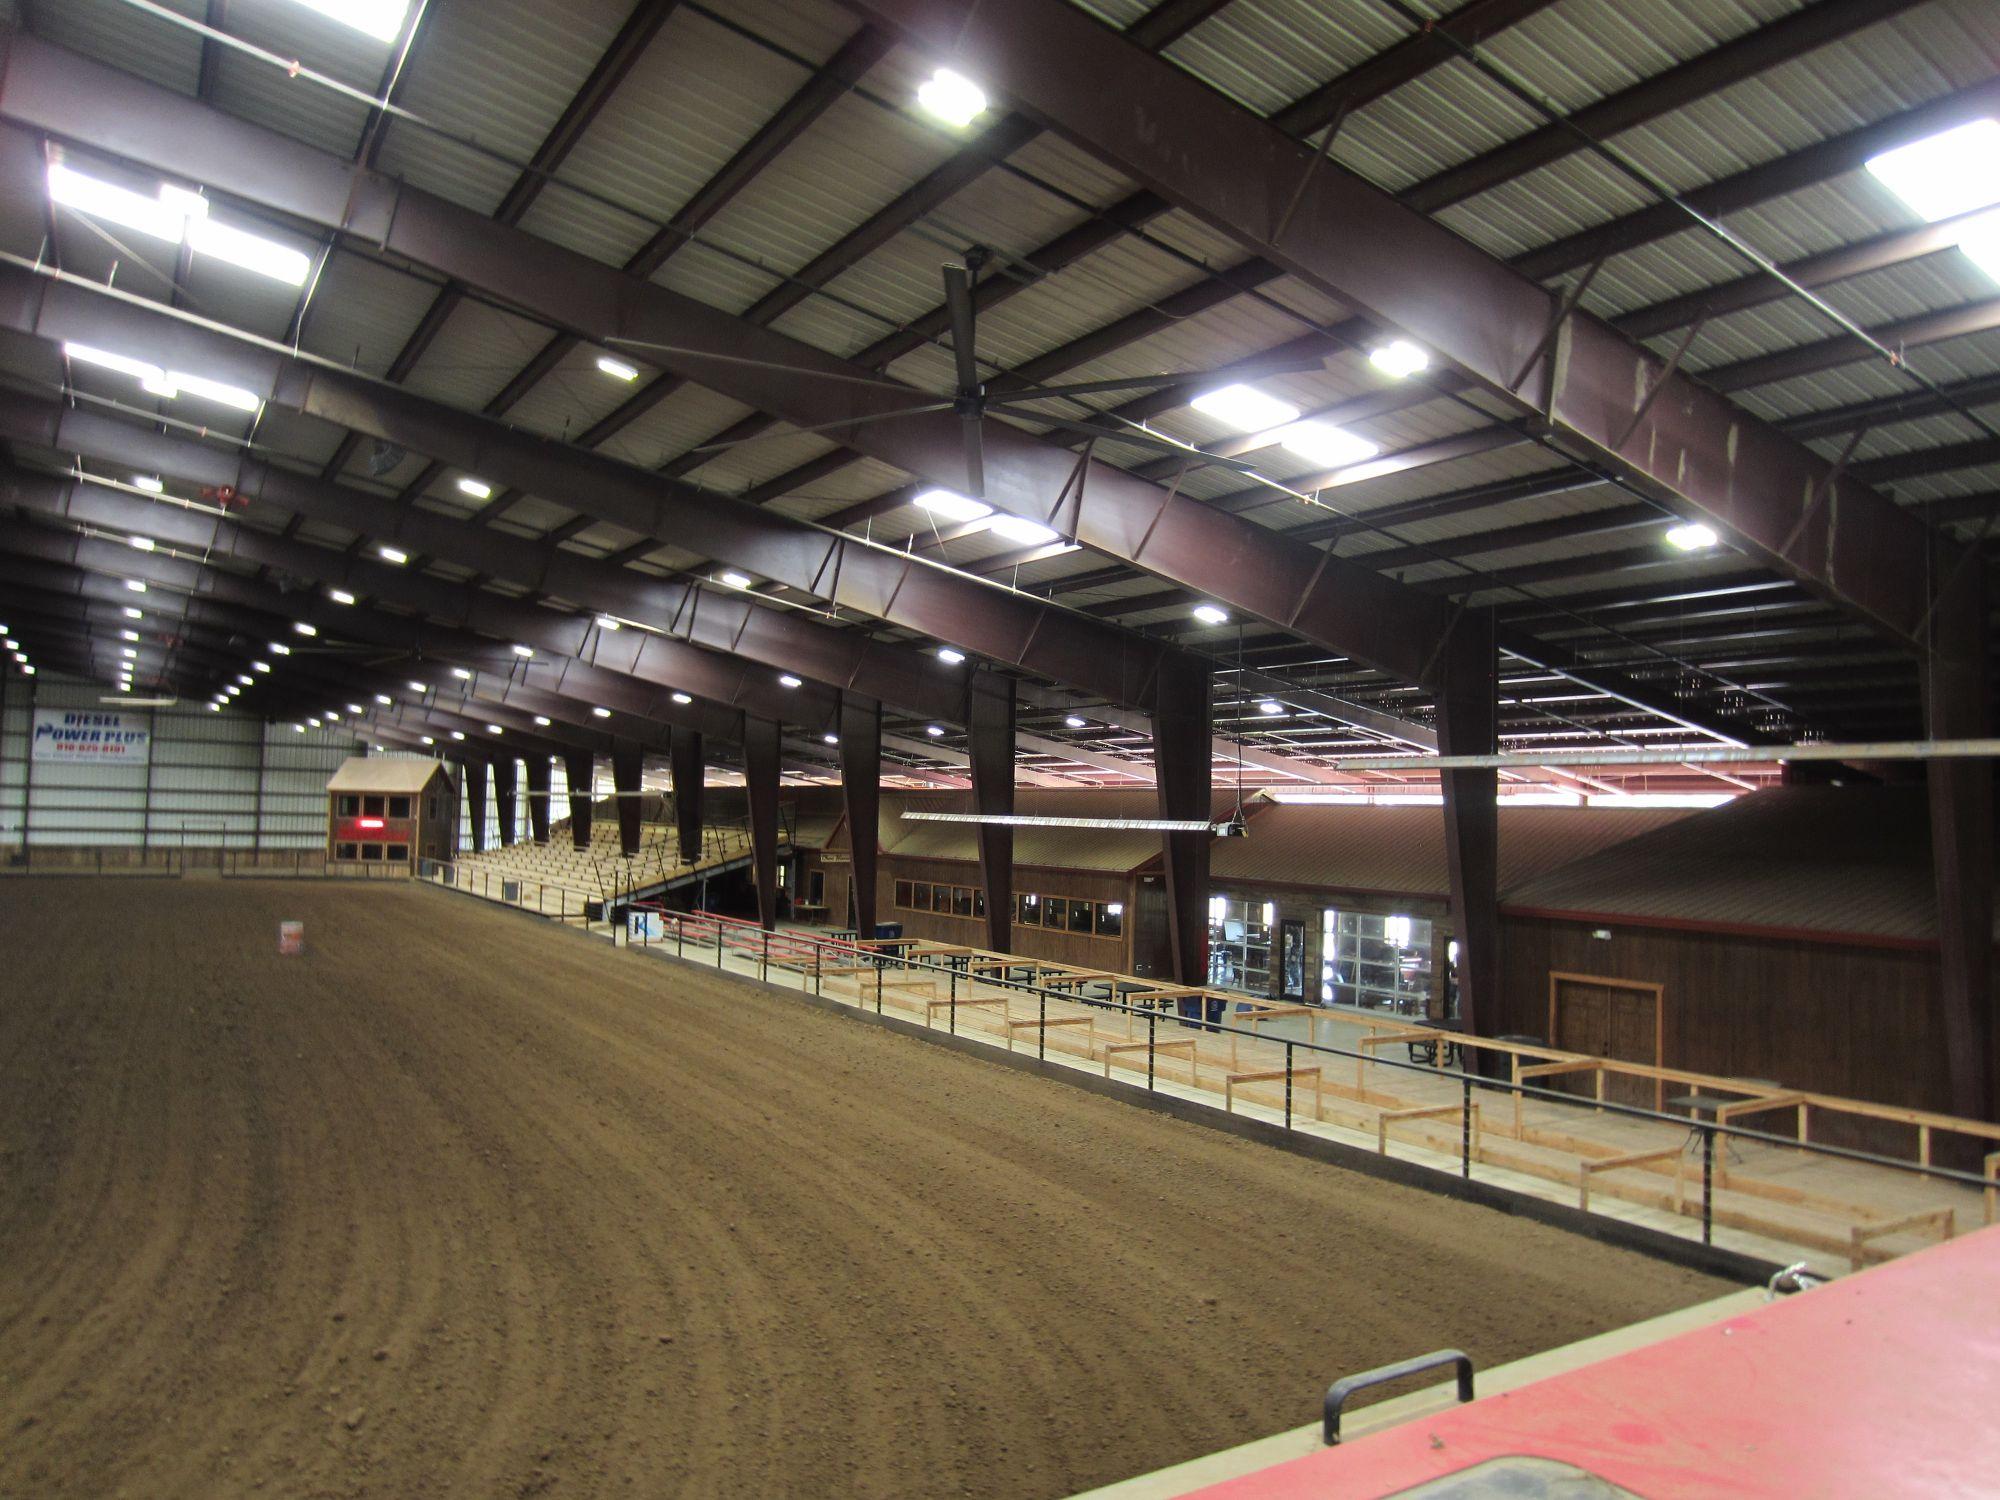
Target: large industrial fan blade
column 970, row 397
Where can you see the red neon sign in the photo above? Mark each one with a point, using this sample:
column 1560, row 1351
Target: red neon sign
column 368, row 823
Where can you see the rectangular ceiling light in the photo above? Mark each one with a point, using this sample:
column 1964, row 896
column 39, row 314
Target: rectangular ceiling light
column 178, row 217
column 1324, row 444
column 1942, row 175
column 617, row 369
column 1025, row 532
column 952, row 505
column 158, row 382
column 1246, row 408
column 381, row 19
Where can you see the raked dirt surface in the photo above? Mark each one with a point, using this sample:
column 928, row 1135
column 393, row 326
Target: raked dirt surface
column 461, row 1203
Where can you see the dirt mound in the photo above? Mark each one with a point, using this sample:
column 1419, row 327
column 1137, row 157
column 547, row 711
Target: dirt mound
column 461, row 1203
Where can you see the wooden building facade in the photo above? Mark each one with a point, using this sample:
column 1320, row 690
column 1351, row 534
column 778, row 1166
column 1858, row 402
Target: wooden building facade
column 390, row 810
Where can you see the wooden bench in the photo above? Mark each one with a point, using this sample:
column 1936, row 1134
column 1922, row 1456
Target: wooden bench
column 1389, row 1117
column 1589, row 1166
column 1268, row 1075
column 1194, row 1058
column 1943, row 1220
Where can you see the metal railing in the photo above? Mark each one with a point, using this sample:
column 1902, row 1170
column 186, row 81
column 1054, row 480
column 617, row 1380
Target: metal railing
column 876, row 975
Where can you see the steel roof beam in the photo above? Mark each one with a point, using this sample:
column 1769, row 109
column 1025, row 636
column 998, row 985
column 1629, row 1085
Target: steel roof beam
column 1689, row 448
column 724, row 620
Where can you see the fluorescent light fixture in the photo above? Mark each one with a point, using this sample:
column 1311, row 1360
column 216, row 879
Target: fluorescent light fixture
column 950, row 657
column 128, row 652
column 161, row 219
column 155, row 381
column 601, row 713
column 683, row 699
column 135, row 585
column 952, row 505
column 735, row 579
column 608, row 622
column 831, row 739
column 239, row 247
column 1691, row 536
column 134, row 614
column 329, row 713
column 12, row 644
column 543, row 720
column 427, row 739
column 524, row 652
column 952, row 98
column 1075, row 721
column 128, row 635
column 233, row 690
column 458, row 734
column 356, row 708
column 1021, row 531
column 304, row 629
column 417, row 687
column 461, row 674
column 245, row 678
column 148, row 483
column 1245, row 408
column 340, row 596
column 1270, row 706
column 493, row 729
column 385, row 700
column 1399, row 358
column 395, row 555
column 26, row 670
column 1981, row 244
column 260, row 666
column 141, row 543
column 381, row 19
column 935, row 731
column 786, row 679
column 279, row 648
column 1211, row 614
column 479, row 489
column 313, row 722
column 617, row 369
column 1952, row 172
column 211, row 390
column 178, row 217
column 1328, row 446
column 298, row 729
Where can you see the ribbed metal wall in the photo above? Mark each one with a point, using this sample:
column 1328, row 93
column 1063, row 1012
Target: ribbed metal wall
column 211, row 780
column 558, row 800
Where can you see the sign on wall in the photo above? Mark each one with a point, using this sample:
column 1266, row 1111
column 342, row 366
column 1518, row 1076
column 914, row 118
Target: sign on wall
column 81, row 736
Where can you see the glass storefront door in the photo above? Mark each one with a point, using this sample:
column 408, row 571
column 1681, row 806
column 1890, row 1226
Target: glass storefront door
column 1239, row 944
column 1376, row 961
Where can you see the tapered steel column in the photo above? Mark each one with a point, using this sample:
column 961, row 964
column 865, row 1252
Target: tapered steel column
column 1468, row 724
column 541, row 786
column 1957, row 706
column 688, row 769
column 861, row 787
column 626, row 763
column 760, row 775
column 474, row 772
column 1182, row 771
column 580, row 768
column 989, row 721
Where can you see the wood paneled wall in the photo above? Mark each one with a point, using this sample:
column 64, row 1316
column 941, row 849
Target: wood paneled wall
column 1089, row 950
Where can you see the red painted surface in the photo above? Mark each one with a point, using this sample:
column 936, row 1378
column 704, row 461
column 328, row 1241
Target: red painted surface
column 1885, row 1383
column 373, row 830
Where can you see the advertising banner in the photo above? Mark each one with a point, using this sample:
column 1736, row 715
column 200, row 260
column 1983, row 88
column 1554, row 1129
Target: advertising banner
column 82, row 736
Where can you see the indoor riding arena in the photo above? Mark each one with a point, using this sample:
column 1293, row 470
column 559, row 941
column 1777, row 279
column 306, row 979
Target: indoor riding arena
column 1012, row 748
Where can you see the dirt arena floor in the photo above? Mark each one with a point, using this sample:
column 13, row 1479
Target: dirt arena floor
column 460, row 1203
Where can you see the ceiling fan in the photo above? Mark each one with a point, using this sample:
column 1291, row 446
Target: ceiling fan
column 975, row 403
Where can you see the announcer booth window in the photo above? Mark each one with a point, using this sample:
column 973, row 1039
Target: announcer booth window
column 399, row 851
column 346, row 851
column 371, row 851
column 372, row 806
column 399, row 807
column 350, row 805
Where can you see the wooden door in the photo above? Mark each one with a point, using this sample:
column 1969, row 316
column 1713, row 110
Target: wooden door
column 1609, row 1018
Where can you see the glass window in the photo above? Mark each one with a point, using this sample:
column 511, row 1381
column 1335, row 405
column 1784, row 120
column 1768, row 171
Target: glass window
column 372, row 806
column 1239, row 944
column 961, row 901
column 1376, row 960
column 349, row 805
column 398, row 851
column 399, row 807
column 431, row 806
column 1028, row 910
column 903, row 897
column 978, row 903
column 941, row 898
column 371, row 851
column 920, row 898
column 346, row 851
column 1111, row 919
column 1079, row 916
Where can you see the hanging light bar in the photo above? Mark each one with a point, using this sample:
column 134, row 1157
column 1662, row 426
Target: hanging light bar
column 1682, row 755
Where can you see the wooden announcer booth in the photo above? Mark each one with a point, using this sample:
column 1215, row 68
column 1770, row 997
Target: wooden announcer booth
column 390, row 810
